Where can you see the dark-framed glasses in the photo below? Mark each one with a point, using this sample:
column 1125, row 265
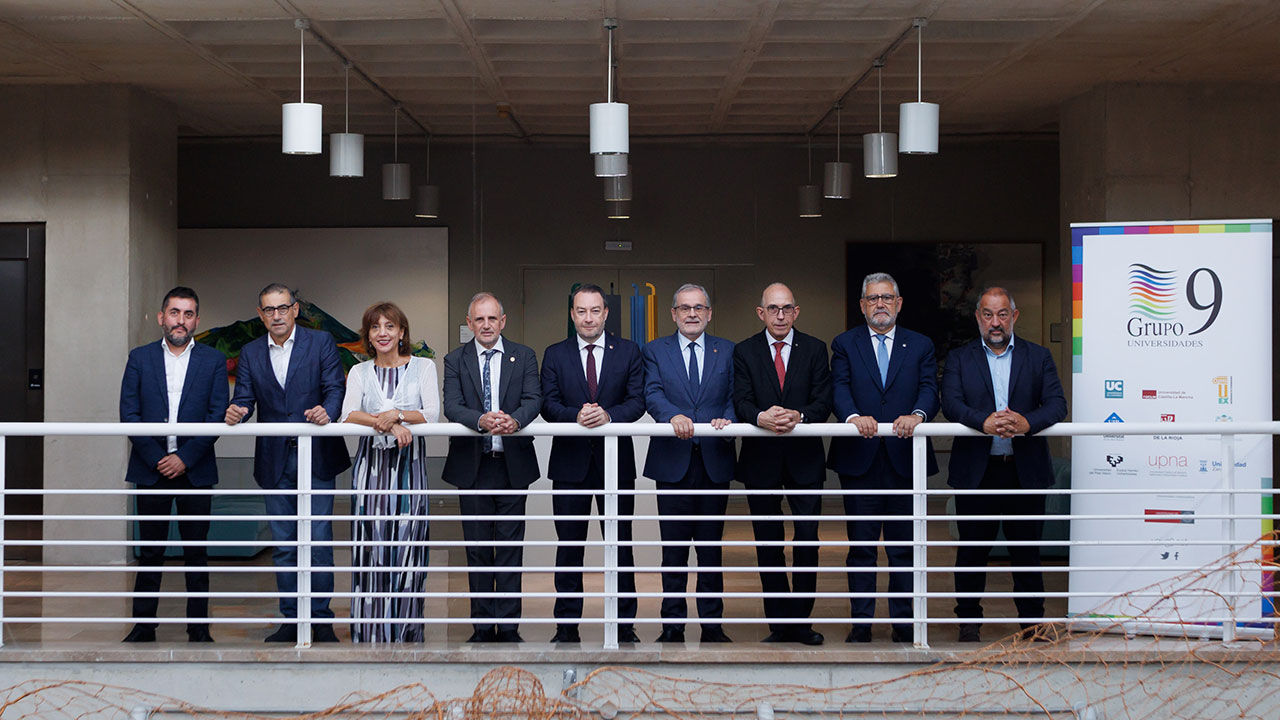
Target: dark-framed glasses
column 873, row 299
column 686, row 309
column 277, row 309
column 784, row 310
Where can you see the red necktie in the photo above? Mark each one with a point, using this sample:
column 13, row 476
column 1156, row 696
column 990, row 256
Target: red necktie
column 591, row 372
column 777, row 363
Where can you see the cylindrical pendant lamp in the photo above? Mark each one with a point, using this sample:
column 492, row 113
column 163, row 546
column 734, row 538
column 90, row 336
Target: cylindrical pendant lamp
column 610, row 140
column 837, row 180
column 428, row 203
column 346, row 155
column 301, row 123
column 810, row 197
column 618, row 187
column 618, row 209
column 880, row 155
column 395, row 181
column 918, row 128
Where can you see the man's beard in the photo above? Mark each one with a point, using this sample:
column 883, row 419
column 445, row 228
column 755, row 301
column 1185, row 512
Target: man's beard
column 176, row 341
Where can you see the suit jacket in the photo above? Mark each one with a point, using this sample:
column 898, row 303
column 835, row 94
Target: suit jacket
column 968, row 397
column 667, row 393
column 912, row 385
column 519, row 395
column 144, row 397
column 807, row 389
column 619, row 390
column 314, row 378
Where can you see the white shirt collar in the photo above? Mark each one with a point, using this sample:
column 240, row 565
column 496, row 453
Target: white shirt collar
column 684, row 341
column 287, row 342
column 791, row 335
column 480, row 351
column 186, row 349
column 583, row 343
column 888, row 335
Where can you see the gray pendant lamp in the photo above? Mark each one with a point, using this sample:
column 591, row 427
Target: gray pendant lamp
column 301, row 123
column 346, row 149
column 880, row 149
column 395, row 175
column 918, row 121
column 810, row 195
column 618, row 188
column 618, row 209
column 428, row 204
column 610, row 138
column 837, row 177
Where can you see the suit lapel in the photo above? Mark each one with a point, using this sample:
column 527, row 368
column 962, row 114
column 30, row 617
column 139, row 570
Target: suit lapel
column 509, row 364
column 471, row 369
column 301, row 344
column 575, row 362
column 677, row 358
column 1015, row 366
column 771, row 371
column 188, row 381
column 984, row 369
column 865, row 347
column 161, row 375
column 710, row 360
column 896, row 359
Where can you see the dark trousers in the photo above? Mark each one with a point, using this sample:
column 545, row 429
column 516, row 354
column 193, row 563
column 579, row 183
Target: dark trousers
column 1000, row 475
column 690, row 501
column 865, row 535
column 492, row 475
column 769, row 552
column 159, row 501
column 285, row 529
column 570, row 556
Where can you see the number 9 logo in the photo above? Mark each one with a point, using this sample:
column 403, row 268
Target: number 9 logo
column 1214, row 305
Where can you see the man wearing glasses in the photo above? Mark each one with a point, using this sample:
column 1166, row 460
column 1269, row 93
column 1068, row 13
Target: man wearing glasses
column 688, row 378
column 293, row 374
column 780, row 380
column 882, row 373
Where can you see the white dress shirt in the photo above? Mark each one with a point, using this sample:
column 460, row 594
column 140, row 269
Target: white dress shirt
column 280, row 355
column 701, row 350
column 598, row 352
column 786, row 349
column 495, row 381
column 175, row 375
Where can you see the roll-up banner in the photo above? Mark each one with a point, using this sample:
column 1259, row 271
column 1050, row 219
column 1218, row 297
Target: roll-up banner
column 1171, row 324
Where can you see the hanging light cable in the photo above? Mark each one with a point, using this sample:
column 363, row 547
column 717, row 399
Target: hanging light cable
column 301, row 123
column 880, row 149
column 837, row 181
column 395, row 174
column 346, row 149
column 610, row 140
column 810, row 195
column 918, row 121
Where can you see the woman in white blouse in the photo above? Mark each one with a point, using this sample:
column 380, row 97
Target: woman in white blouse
column 387, row 393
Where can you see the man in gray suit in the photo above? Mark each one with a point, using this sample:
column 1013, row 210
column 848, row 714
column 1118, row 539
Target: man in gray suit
column 492, row 385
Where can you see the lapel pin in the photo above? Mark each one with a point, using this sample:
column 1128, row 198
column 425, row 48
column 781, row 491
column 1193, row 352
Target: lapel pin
column 610, row 347
column 511, row 359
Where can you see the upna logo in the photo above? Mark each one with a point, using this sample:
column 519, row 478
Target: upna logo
column 1154, row 298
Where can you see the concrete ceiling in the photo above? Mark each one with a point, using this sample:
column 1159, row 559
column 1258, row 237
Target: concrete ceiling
column 733, row 68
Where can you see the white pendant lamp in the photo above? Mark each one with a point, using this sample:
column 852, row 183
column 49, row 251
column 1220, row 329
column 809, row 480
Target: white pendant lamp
column 428, row 204
column 610, row 138
column 619, row 187
column 918, row 121
column 837, row 177
column 880, row 149
column 346, row 149
column 301, row 126
column 395, row 175
column 810, row 195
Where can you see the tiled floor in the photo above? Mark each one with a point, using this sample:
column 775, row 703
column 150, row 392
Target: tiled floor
column 830, row 614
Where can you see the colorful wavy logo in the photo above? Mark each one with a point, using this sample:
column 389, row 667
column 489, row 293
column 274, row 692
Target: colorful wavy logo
column 1151, row 292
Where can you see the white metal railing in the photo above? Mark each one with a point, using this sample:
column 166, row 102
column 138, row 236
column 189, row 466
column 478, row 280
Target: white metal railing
column 610, row 543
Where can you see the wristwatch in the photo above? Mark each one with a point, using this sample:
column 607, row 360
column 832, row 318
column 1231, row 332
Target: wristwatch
column 401, row 416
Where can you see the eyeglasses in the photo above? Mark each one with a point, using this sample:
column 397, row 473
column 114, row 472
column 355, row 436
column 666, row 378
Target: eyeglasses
column 784, row 310
column 278, row 309
column 873, row 299
column 686, row 309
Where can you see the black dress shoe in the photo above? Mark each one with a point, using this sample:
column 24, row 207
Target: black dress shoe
column 482, row 635
column 714, row 634
column 969, row 633
column 566, row 634
column 284, row 634
column 859, row 634
column 508, row 636
column 199, row 634
column 323, row 633
column 903, row 636
column 807, row 637
column 671, row 635
column 627, row 634
column 141, row 633
column 776, row 637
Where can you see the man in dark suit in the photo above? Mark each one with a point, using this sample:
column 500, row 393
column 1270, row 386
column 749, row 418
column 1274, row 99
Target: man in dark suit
column 293, row 374
column 592, row 379
column 881, row 372
column 491, row 384
column 1010, row 391
column 688, row 378
column 174, row 380
column 780, row 380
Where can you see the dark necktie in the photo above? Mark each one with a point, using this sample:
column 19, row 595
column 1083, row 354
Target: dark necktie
column 695, row 382
column 778, row 364
column 488, row 394
column 592, row 381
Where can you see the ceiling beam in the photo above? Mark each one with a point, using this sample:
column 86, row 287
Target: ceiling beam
column 484, row 69
column 750, row 49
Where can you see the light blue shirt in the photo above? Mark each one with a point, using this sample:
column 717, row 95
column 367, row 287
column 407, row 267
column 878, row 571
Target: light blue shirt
column 999, row 365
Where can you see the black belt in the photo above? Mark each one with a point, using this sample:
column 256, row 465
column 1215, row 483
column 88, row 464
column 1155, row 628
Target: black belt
column 1001, row 458
column 491, row 453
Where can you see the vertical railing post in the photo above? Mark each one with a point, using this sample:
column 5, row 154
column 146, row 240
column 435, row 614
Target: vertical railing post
column 919, row 534
column 1233, row 570
column 304, row 541
column 611, row 542
column 3, row 440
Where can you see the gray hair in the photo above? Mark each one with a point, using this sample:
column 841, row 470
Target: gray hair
column 995, row 290
column 879, row 277
column 277, row 287
column 481, row 296
column 687, row 287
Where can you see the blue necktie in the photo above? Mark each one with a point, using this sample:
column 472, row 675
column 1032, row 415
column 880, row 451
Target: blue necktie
column 694, row 381
column 488, row 394
column 882, row 359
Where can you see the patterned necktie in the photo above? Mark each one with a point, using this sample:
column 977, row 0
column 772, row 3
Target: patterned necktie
column 882, row 359
column 777, row 363
column 488, row 394
column 592, row 380
column 695, row 382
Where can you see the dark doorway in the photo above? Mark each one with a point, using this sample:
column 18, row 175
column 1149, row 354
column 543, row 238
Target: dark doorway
column 22, row 377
